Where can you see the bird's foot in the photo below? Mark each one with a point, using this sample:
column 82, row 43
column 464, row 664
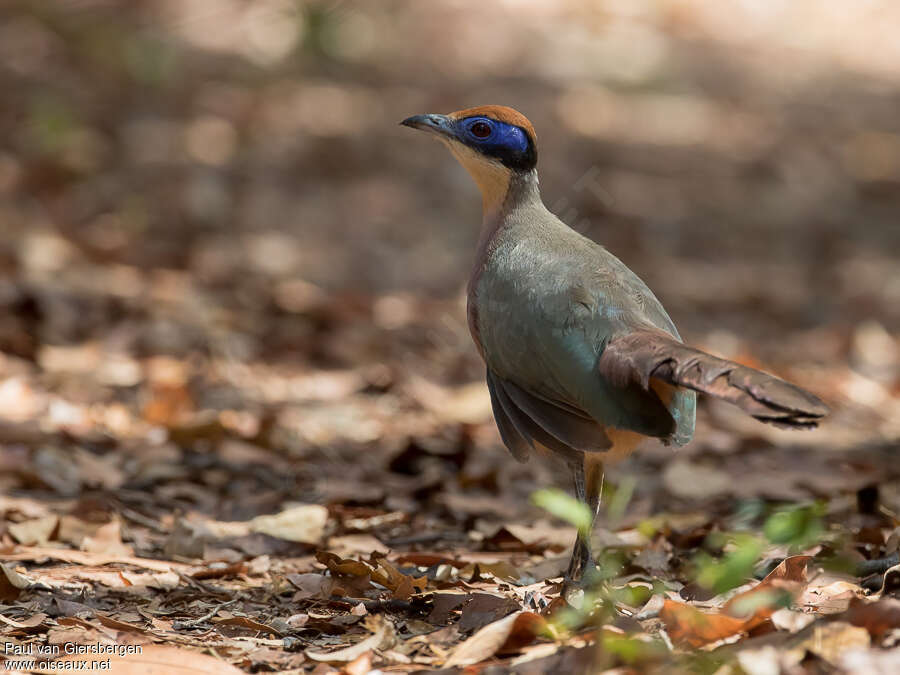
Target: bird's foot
column 578, row 579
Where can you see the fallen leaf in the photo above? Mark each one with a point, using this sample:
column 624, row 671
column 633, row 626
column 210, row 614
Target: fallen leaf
column 118, row 624
column 73, row 530
column 155, row 660
column 298, row 620
column 500, row 570
column 361, row 665
column 87, row 558
column 310, row 585
column 791, row 621
column 382, row 638
column 304, row 523
column 829, row 641
column 482, row 609
column 35, row 531
column 32, row 621
column 444, row 604
column 107, row 540
column 742, row 613
column 402, row 585
column 220, row 571
column 518, row 629
column 688, row 625
column 11, row 583
column 356, row 544
column 877, row 617
column 829, row 593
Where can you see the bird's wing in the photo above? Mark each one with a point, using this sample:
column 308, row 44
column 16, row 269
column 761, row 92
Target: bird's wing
column 542, row 366
column 641, row 355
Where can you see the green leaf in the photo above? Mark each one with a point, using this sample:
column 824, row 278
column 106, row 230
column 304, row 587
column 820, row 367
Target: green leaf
column 797, row 526
column 565, row 507
column 769, row 597
column 732, row 570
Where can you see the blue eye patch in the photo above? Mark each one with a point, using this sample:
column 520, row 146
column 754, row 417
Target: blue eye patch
column 501, row 134
column 506, row 142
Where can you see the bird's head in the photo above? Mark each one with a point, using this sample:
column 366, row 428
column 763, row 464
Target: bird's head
column 493, row 142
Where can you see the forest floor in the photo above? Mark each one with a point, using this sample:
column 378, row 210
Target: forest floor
column 242, row 423
column 239, row 515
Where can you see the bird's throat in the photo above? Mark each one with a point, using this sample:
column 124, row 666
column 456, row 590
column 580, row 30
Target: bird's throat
column 492, row 178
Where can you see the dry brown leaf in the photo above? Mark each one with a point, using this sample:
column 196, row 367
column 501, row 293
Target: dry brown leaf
column 310, row 585
column 500, row 570
column 356, row 544
column 361, row 665
column 31, row 622
column 87, row 558
column 358, row 574
column 304, row 523
column 509, row 633
column 36, row 531
column 118, row 624
column 218, row 572
column 382, row 638
column 829, row 641
column 73, row 530
column 688, row 625
column 482, row 609
column 158, row 660
column 877, row 617
column 11, row 583
column 69, row 576
column 791, row 621
column 107, row 540
column 829, row 594
column 401, row 584
column 29, row 508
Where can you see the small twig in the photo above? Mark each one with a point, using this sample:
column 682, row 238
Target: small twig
column 205, row 617
column 140, row 519
column 205, row 587
column 878, row 565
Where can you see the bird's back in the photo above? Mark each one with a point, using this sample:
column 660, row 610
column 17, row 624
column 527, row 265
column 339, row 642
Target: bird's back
column 545, row 300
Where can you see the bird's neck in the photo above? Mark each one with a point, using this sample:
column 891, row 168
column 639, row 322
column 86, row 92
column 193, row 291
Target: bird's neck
column 511, row 191
column 501, row 188
column 517, row 191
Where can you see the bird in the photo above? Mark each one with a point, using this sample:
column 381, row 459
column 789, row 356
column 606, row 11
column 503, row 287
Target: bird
column 582, row 360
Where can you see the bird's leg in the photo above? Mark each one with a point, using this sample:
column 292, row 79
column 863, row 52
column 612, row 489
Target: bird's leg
column 588, row 478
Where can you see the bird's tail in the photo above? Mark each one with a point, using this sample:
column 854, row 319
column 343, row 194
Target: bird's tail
column 646, row 354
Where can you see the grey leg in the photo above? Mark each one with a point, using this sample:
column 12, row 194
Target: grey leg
column 588, row 486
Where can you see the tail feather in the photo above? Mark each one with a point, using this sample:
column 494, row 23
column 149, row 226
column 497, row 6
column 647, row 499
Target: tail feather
column 527, row 430
column 646, row 354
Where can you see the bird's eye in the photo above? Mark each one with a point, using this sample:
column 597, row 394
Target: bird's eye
column 480, row 129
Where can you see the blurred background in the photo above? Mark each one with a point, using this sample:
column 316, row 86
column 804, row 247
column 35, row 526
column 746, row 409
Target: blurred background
column 217, row 246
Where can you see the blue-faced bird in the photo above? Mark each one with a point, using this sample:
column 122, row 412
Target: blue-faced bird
column 582, row 360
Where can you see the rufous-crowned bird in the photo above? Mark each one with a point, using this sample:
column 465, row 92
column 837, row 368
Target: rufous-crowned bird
column 582, row 359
